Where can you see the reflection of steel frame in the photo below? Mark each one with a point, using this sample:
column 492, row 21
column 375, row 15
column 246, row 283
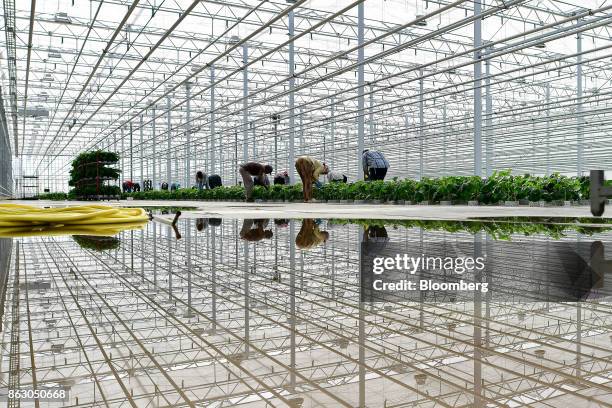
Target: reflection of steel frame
column 599, row 192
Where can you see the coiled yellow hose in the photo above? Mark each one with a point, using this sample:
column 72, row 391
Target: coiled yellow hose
column 25, row 216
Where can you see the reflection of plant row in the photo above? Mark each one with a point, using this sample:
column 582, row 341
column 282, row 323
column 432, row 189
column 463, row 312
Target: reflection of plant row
column 497, row 230
column 499, row 187
column 96, row 243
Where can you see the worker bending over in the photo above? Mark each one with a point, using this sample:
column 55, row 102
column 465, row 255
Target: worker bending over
column 250, row 170
column 309, row 170
column 374, row 164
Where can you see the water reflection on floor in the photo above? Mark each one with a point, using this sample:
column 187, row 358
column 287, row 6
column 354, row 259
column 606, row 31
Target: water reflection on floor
column 268, row 312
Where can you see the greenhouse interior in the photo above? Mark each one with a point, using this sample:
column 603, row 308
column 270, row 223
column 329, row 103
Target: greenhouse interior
column 306, row 203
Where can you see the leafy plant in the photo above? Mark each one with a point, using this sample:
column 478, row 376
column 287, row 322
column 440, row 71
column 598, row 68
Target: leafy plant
column 53, row 196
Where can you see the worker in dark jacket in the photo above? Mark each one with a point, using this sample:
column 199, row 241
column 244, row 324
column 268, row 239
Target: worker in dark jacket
column 250, row 170
column 281, row 178
column 374, row 164
column 201, row 180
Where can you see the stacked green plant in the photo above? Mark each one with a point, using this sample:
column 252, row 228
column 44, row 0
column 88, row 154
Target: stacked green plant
column 90, row 171
column 500, row 187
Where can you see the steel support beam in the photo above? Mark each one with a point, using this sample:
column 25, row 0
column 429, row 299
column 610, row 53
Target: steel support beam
column 291, row 158
column 489, row 120
column 421, row 125
column 188, row 178
column 213, row 161
column 245, row 105
column 477, row 90
column 579, row 118
column 360, row 85
column 169, row 139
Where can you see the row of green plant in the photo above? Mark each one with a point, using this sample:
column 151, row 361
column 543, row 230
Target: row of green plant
column 496, row 229
column 53, row 196
column 92, row 191
column 501, row 186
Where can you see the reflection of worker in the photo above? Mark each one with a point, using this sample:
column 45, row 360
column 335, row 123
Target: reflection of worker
column 375, row 233
column 250, row 170
column 253, row 230
column 376, row 238
column 281, row 222
column 309, row 235
column 309, row 170
column 201, row 224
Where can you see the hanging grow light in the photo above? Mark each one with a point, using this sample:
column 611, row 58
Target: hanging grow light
column 420, row 23
column 62, row 18
column 54, row 53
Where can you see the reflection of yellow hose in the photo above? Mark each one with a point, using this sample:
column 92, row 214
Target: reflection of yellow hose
column 104, row 230
column 14, row 215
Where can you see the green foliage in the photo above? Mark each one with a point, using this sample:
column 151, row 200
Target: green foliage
column 501, row 186
column 95, row 156
column 87, row 167
column 53, row 196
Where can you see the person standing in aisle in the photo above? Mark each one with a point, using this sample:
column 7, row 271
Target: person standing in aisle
column 309, row 170
column 374, row 164
column 250, row 170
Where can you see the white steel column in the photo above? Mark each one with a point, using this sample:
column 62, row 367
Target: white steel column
column 548, row 128
column 488, row 120
column 291, row 158
column 245, row 104
column 154, row 178
column 169, row 148
column 213, row 162
column 579, row 119
column 421, row 124
column 477, row 91
column 302, row 144
column 361, row 83
column 371, row 113
column 122, row 157
column 141, row 151
column 188, row 177
column 444, row 131
column 333, row 130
